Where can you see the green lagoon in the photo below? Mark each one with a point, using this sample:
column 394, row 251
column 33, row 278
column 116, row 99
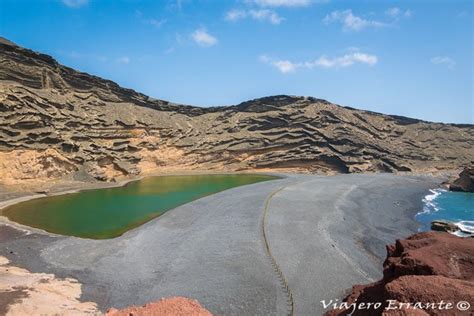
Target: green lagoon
column 108, row 213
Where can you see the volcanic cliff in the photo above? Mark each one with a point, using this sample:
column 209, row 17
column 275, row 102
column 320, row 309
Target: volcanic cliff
column 55, row 121
column 430, row 273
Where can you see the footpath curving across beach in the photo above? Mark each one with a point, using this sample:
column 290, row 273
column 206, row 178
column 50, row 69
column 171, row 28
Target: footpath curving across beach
column 324, row 236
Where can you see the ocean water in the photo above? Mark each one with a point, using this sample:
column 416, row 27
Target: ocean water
column 108, row 213
column 457, row 207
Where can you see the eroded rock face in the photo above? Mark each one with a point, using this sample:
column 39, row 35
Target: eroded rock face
column 173, row 306
column 96, row 127
column 465, row 181
column 426, row 268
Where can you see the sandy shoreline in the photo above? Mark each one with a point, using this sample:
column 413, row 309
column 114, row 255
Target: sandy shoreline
column 326, row 233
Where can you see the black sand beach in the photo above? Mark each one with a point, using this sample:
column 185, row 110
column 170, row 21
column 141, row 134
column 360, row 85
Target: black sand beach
column 325, row 233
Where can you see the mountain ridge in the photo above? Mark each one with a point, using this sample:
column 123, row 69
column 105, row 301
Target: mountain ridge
column 7, row 42
column 57, row 122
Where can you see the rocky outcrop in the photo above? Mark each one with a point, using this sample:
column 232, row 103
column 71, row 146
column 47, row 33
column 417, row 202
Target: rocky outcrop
column 61, row 122
column 444, row 226
column 465, row 181
column 425, row 268
column 23, row 292
column 173, row 306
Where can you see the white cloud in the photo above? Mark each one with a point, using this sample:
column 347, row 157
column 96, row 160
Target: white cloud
column 396, row 13
column 343, row 61
column 102, row 58
column 393, row 12
column 286, row 66
column 203, row 38
column 443, row 60
column 175, row 5
column 283, row 3
column 123, row 60
column 351, row 21
column 263, row 15
column 266, row 15
column 75, row 3
column 155, row 22
column 235, row 15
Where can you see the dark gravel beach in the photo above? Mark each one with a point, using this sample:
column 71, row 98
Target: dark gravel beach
column 325, row 234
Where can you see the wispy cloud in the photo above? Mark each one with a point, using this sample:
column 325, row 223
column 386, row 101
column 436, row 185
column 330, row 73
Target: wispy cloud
column 350, row 21
column 264, row 15
column 75, row 3
column 443, row 60
column 179, row 41
column 343, row 61
column 287, row 66
column 284, row 66
column 203, row 38
column 155, row 22
column 283, row 3
column 175, row 5
column 123, row 60
column 235, row 15
column 397, row 13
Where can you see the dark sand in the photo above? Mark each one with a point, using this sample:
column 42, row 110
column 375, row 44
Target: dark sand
column 326, row 233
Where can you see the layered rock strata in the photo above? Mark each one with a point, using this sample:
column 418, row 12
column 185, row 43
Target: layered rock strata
column 56, row 122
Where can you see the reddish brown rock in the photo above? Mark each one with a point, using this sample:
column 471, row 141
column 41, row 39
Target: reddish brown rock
column 433, row 269
column 465, row 182
column 172, row 306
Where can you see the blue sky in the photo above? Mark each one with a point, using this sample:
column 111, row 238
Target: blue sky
column 411, row 58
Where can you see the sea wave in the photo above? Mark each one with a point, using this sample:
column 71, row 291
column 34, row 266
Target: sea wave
column 429, row 201
column 441, row 204
column 466, row 226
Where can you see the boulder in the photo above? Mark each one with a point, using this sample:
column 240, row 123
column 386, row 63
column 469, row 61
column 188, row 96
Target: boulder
column 465, row 181
column 444, row 226
column 430, row 267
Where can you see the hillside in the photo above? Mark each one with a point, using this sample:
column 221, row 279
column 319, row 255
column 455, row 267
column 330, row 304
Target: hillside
column 57, row 122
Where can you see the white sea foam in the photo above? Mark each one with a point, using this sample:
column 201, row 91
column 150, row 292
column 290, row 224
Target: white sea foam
column 429, row 201
column 466, row 226
column 431, row 205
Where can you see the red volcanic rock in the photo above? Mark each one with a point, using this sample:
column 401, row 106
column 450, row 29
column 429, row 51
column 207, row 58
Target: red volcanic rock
column 429, row 288
column 425, row 274
column 431, row 253
column 173, row 306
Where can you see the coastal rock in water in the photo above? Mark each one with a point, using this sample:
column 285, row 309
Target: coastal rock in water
column 425, row 268
column 444, row 226
column 465, row 181
column 173, row 306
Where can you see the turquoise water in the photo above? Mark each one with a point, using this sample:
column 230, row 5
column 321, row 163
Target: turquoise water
column 457, row 207
column 108, row 213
